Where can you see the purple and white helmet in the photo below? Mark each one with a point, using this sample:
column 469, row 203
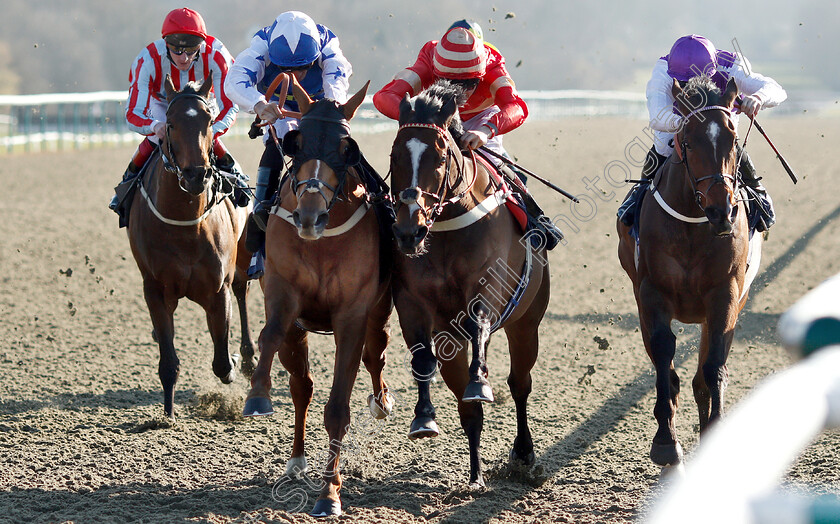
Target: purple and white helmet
column 691, row 56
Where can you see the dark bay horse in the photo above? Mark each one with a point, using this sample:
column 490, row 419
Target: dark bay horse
column 319, row 278
column 691, row 262
column 187, row 239
column 463, row 268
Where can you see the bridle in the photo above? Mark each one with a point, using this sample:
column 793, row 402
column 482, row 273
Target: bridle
column 170, row 163
column 411, row 195
column 716, row 178
column 313, row 184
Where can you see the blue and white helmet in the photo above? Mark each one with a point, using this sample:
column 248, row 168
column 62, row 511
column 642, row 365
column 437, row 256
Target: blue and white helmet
column 294, row 40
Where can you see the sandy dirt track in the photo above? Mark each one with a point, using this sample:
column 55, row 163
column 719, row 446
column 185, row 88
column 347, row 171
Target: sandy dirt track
column 82, row 434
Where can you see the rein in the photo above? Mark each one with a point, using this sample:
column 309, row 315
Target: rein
column 411, row 195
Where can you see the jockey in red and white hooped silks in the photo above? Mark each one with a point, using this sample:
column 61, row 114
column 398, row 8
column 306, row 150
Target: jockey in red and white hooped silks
column 492, row 106
column 691, row 56
column 185, row 53
column 294, row 44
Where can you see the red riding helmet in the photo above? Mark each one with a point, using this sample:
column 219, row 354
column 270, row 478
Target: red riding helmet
column 183, row 28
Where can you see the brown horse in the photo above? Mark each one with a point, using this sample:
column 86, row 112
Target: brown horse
column 691, row 260
column 464, row 267
column 187, row 238
column 323, row 279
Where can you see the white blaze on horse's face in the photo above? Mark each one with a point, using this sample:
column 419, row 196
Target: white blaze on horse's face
column 191, row 112
column 416, row 148
column 315, row 176
column 713, row 131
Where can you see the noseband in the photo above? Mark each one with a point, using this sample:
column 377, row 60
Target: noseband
column 717, row 178
column 170, row 163
column 412, row 195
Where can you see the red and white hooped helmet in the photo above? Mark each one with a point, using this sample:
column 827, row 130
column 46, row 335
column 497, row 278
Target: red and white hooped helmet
column 459, row 55
column 183, row 28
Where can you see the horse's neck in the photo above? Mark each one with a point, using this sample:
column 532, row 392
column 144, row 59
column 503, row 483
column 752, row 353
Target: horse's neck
column 168, row 197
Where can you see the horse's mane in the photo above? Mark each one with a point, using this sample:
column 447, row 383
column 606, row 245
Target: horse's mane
column 429, row 103
column 704, row 86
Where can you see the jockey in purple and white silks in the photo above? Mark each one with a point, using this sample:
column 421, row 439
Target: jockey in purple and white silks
column 294, row 44
column 692, row 56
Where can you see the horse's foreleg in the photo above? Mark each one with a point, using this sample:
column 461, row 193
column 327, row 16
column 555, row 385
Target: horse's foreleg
column 660, row 342
column 721, row 323
column 281, row 310
column 478, row 389
column 349, row 339
column 417, row 327
column 246, row 348
column 294, row 355
column 455, row 373
column 701, row 391
column 162, row 309
column 381, row 402
column 218, row 320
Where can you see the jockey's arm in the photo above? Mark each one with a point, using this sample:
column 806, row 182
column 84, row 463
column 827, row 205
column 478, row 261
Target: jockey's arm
column 660, row 101
column 410, row 80
column 246, row 72
column 139, row 95
column 335, row 68
column 220, row 63
column 764, row 91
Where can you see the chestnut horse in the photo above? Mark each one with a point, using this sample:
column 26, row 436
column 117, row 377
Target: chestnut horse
column 187, row 238
column 691, row 260
column 323, row 279
column 464, row 271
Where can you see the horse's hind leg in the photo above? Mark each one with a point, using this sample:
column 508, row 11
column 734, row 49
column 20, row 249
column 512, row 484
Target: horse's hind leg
column 218, row 320
column 246, row 348
column 701, row 390
column 381, row 402
column 162, row 309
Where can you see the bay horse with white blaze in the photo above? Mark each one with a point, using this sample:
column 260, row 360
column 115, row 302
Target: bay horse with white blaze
column 464, row 271
column 187, row 237
column 691, row 261
column 319, row 278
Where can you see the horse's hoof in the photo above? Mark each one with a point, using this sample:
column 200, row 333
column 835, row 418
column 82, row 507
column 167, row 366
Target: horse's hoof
column 248, row 367
column 383, row 411
column 236, row 358
column 297, row 467
column 478, row 392
column 257, row 406
column 666, row 454
column 423, row 427
column 528, row 460
column 326, row 508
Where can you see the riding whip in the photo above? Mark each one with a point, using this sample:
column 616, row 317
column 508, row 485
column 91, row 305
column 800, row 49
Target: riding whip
column 529, row 173
column 785, row 165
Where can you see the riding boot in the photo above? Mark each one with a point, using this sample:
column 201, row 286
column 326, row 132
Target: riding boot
column 536, row 216
column 233, row 171
column 130, row 172
column 628, row 209
column 763, row 212
column 256, row 269
column 267, row 182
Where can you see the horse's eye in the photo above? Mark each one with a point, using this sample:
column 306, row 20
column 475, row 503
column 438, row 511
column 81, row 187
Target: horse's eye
column 442, row 161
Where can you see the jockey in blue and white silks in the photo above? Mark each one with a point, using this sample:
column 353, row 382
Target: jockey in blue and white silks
column 294, row 44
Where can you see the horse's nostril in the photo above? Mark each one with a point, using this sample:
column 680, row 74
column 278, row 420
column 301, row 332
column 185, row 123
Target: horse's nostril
column 322, row 220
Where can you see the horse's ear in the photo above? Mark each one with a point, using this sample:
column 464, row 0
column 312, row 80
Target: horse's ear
column 405, row 109
column 728, row 98
column 301, row 96
column 206, row 86
column 169, row 87
column 349, row 109
column 448, row 110
column 292, row 143
column 680, row 97
column 350, row 151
